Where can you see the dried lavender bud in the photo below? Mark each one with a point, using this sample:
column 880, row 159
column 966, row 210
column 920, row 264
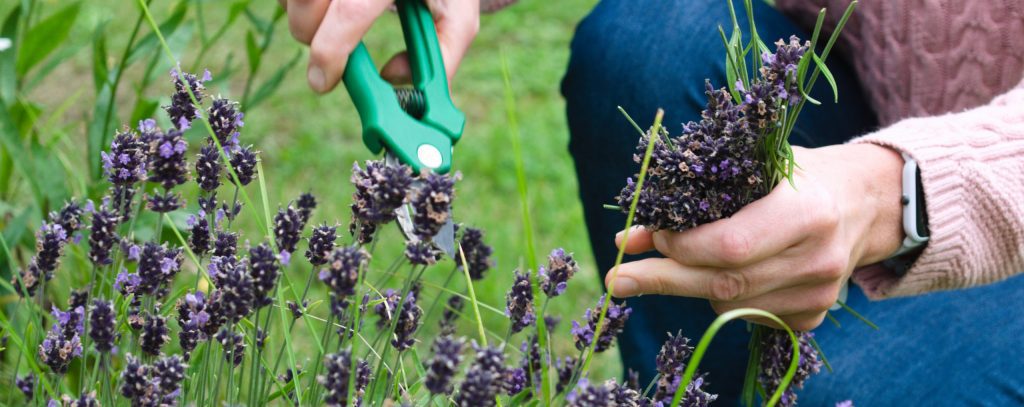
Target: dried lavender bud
column 451, row 313
column 342, row 271
column 103, row 325
column 588, row 395
column 674, row 354
column 154, row 334
column 78, row 298
column 102, row 236
column 199, row 239
column 208, row 168
column 135, row 318
column 422, row 253
column 321, row 242
column 225, row 120
column 127, row 160
column 296, row 309
column 338, row 367
column 614, row 322
column 519, row 302
column 431, row 203
column 69, row 218
column 165, row 202
column 167, row 164
column 776, row 351
column 380, row 189
column 477, row 253
column 287, row 229
column 407, row 324
column 233, row 344
column 62, row 342
column 561, row 267
column 484, row 379
column 169, row 372
column 306, row 203
column 261, row 338
column 235, row 291
column 27, row 385
column 441, row 369
column 134, row 378
column 263, row 268
column 244, row 162
column 181, row 110
column 226, row 244
column 515, row 381
column 50, row 240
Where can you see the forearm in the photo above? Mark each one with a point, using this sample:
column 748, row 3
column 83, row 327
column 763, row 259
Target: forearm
column 971, row 168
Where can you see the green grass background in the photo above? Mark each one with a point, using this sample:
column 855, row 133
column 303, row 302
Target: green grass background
column 309, row 142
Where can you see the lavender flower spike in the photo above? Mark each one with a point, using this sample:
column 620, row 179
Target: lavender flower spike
column 484, row 380
column 477, row 253
column 336, row 378
column 776, row 351
column 519, row 302
column 321, row 242
column 103, row 325
column 441, row 369
column 614, row 322
column 408, row 322
column 561, row 267
column 342, row 271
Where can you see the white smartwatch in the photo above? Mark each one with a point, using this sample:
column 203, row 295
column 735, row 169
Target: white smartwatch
column 915, row 218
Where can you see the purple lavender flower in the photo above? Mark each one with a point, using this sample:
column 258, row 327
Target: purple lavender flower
column 126, row 163
column 199, row 234
column 169, row 372
column 157, row 266
column 264, row 269
column 154, row 334
column 342, row 271
column 776, row 351
column 478, row 254
column 225, row 120
column 134, row 378
column 484, row 379
column 50, row 240
column 26, row 281
column 287, row 229
column 588, row 395
column 614, row 322
column 515, row 381
column 422, row 253
column 27, row 385
column 306, row 203
column 164, row 202
column 336, row 378
column 208, row 168
column 561, row 267
column 69, row 218
column 623, row 395
column 121, row 199
column 167, row 164
column 233, row 344
column 62, row 342
column 226, row 244
column 181, row 110
column 387, row 307
column 565, row 368
column 694, row 395
column 408, row 322
column 102, row 236
column 380, row 189
column 431, row 203
column 192, row 317
column 441, row 369
column 674, row 354
column 84, row 400
column 235, row 292
column 103, row 325
column 321, row 242
column 519, row 302
column 244, row 163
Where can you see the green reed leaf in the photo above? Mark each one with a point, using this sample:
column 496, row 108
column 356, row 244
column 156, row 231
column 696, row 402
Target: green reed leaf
column 828, row 75
column 44, row 38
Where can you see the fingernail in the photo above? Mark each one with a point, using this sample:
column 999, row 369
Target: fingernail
column 316, row 78
column 625, row 287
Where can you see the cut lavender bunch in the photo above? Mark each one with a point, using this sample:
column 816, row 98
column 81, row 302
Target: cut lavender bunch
column 442, row 367
column 519, row 302
column 181, row 110
column 484, row 379
column 407, row 324
column 476, row 252
column 561, row 267
column 776, row 353
column 103, row 325
column 614, row 322
column 431, row 203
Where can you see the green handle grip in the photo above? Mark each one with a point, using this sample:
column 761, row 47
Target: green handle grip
column 423, row 143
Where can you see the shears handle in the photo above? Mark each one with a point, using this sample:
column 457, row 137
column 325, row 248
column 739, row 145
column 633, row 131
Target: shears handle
column 423, row 142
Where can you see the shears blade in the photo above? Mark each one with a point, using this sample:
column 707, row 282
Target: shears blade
column 444, row 239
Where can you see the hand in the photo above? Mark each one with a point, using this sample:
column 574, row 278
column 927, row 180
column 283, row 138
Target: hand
column 333, row 28
column 787, row 253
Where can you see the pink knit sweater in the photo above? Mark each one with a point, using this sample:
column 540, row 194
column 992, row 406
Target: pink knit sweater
column 931, row 69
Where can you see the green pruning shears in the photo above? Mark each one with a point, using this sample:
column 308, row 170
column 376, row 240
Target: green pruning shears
column 418, row 125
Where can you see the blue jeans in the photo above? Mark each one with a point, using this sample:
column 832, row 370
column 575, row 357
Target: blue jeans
column 937, row 349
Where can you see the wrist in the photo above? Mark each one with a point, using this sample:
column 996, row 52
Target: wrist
column 878, row 172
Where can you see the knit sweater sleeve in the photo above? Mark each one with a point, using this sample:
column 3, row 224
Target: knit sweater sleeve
column 972, row 171
column 490, row 6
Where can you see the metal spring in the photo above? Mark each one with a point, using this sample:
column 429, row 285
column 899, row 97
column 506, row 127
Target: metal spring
column 412, row 101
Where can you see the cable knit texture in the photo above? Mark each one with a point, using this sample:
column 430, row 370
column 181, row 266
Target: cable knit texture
column 918, row 60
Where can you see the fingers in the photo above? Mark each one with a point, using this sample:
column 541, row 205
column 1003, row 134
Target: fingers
column 397, row 70
column 640, row 240
column 763, row 229
column 800, row 322
column 457, row 24
column 668, row 277
column 304, row 16
column 342, row 28
column 803, row 299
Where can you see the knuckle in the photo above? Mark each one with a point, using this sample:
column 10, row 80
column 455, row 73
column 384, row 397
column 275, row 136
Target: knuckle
column 728, row 286
column 805, row 323
column 833, row 265
column 735, row 247
column 823, row 300
column 823, row 212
